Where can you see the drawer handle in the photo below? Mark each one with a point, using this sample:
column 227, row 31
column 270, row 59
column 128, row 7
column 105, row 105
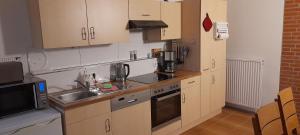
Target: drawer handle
column 146, row 15
column 191, row 82
column 132, row 101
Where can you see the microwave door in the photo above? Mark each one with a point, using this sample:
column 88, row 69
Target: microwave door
column 16, row 99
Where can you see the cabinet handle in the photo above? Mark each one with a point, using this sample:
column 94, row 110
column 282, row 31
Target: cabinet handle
column 164, row 32
column 107, row 125
column 146, row 15
column 92, row 32
column 83, row 33
column 132, row 101
column 183, row 98
column 213, row 63
column 213, row 79
column 206, row 69
column 191, row 82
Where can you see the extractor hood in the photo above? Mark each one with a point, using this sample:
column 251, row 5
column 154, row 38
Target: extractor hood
column 142, row 24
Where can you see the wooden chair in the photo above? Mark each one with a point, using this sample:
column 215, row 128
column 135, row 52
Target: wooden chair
column 288, row 112
column 267, row 120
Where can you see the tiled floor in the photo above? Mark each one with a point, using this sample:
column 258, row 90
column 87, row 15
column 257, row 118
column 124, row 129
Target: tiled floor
column 229, row 122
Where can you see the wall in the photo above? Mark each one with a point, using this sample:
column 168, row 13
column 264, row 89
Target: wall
column 290, row 67
column 15, row 40
column 256, row 32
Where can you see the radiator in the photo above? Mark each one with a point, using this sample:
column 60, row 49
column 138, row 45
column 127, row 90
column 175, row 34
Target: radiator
column 244, row 83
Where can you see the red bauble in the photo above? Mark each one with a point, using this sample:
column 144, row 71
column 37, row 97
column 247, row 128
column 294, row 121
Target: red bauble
column 207, row 23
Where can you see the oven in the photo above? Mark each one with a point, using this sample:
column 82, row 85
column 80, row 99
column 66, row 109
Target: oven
column 165, row 105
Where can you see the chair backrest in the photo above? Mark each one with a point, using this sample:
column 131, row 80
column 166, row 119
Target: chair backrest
column 267, row 120
column 288, row 112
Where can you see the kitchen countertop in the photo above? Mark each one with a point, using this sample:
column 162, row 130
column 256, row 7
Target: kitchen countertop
column 180, row 75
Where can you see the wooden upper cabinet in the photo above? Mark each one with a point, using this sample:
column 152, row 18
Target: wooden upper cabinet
column 72, row 23
column 144, row 10
column 171, row 15
column 107, row 21
column 62, row 23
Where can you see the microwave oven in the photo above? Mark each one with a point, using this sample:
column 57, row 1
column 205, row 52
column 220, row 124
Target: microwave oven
column 30, row 94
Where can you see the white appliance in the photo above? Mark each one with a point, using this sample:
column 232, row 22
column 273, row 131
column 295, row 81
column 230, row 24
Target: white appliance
column 40, row 122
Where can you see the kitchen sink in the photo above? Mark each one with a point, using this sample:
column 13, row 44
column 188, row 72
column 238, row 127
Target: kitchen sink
column 74, row 96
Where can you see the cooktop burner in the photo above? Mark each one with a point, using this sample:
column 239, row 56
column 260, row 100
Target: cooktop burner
column 151, row 78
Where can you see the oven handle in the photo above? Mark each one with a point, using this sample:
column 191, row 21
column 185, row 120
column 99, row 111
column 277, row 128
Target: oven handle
column 168, row 96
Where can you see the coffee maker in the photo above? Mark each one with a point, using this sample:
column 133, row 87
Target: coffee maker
column 119, row 72
column 167, row 62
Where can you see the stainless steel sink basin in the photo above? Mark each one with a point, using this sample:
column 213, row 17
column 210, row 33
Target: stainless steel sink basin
column 74, row 96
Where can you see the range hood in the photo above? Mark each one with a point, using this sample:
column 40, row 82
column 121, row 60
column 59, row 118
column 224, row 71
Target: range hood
column 142, row 24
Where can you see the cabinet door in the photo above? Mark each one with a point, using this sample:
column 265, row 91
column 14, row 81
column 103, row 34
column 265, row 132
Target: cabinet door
column 133, row 120
column 205, row 93
column 171, row 14
column 107, row 21
column 218, row 56
column 190, row 105
column 218, row 89
column 63, row 23
column 144, row 9
column 99, row 125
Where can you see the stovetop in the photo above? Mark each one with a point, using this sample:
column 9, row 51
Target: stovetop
column 151, row 78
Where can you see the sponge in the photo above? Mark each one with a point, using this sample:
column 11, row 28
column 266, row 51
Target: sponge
column 107, row 86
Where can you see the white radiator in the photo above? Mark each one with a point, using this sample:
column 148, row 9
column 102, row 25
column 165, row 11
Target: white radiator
column 244, row 83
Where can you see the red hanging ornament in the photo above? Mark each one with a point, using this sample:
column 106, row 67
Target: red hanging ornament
column 207, row 23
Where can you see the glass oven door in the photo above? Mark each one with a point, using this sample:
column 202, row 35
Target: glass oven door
column 165, row 107
column 15, row 99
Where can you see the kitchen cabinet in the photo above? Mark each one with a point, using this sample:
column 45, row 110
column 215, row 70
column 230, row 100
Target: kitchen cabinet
column 132, row 120
column 206, row 80
column 171, row 15
column 218, row 88
column 58, row 23
column 144, row 10
column 107, row 21
column 92, row 119
column 190, row 101
column 72, row 23
column 208, row 55
column 213, row 88
column 98, row 125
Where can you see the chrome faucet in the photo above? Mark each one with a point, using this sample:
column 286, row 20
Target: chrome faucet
column 86, row 86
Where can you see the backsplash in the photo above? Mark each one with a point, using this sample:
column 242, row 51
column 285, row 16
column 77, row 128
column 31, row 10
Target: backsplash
column 15, row 41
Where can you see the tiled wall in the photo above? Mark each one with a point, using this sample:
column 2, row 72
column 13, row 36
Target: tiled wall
column 290, row 61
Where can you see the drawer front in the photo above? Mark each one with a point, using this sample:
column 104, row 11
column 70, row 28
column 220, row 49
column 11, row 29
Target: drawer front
column 190, row 82
column 87, row 111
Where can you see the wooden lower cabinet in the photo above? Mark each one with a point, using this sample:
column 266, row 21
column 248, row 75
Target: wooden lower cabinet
column 213, row 88
column 205, row 93
column 99, row 125
column 92, row 119
column 190, row 101
column 218, row 89
column 132, row 120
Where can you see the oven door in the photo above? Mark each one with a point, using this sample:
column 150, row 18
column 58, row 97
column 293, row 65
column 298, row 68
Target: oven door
column 165, row 107
column 16, row 99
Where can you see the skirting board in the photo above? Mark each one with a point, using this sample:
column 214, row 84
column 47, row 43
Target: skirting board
column 240, row 107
